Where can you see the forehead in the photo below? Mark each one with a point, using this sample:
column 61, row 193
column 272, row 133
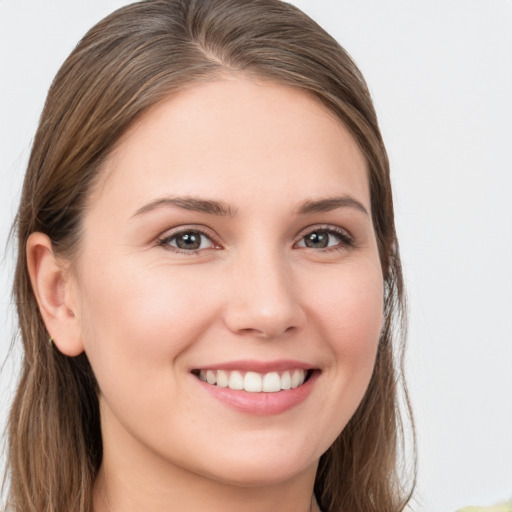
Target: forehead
column 215, row 137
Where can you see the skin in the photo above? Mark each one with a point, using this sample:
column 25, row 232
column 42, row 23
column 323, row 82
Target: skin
column 147, row 313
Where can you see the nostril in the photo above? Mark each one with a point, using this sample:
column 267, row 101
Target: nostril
column 268, row 332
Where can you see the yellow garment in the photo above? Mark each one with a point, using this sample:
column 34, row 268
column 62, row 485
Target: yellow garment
column 499, row 507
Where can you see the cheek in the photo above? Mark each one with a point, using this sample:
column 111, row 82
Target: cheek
column 348, row 314
column 136, row 323
column 351, row 314
column 351, row 308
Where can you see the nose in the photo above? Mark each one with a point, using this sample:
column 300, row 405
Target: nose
column 263, row 300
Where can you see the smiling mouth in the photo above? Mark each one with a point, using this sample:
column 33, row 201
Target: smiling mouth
column 254, row 382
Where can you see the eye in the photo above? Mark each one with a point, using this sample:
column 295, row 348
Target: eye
column 190, row 240
column 325, row 238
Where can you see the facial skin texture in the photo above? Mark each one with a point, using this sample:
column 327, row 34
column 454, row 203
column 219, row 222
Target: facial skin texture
column 147, row 314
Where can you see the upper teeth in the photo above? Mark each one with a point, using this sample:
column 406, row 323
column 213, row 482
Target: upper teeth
column 254, row 382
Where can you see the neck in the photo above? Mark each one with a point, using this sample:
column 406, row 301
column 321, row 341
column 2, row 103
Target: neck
column 122, row 493
column 133, row 478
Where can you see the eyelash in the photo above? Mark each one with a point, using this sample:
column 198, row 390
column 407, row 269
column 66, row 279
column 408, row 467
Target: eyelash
column 165, row 240
column 346, row 240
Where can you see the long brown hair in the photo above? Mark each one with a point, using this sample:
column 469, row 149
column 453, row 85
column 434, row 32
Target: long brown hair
column 128, row 62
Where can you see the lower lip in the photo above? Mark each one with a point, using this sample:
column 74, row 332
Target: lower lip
column 262, row 404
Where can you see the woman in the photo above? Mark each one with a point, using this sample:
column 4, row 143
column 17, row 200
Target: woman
column 208, row 273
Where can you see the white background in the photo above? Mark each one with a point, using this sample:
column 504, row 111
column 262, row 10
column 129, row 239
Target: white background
column 441, row 76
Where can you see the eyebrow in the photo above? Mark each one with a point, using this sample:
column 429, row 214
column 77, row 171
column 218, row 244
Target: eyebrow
column 331, row 203
column 220, row 208
column 189, row 203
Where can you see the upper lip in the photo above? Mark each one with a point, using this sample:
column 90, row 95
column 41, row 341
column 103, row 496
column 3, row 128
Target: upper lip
column 258, row 366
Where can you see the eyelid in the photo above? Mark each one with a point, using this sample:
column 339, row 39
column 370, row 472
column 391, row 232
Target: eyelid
column 173, row 232
column 344, row 234
column 347, row 240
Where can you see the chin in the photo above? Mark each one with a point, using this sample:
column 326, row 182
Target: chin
column 257, row 474
column 256, row 466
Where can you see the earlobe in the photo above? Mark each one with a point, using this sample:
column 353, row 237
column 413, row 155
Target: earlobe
column 50, row 282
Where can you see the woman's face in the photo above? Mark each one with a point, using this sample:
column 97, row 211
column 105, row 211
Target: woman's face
column 230, row 239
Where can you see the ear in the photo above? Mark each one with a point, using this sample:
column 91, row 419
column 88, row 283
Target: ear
column 55, row 294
